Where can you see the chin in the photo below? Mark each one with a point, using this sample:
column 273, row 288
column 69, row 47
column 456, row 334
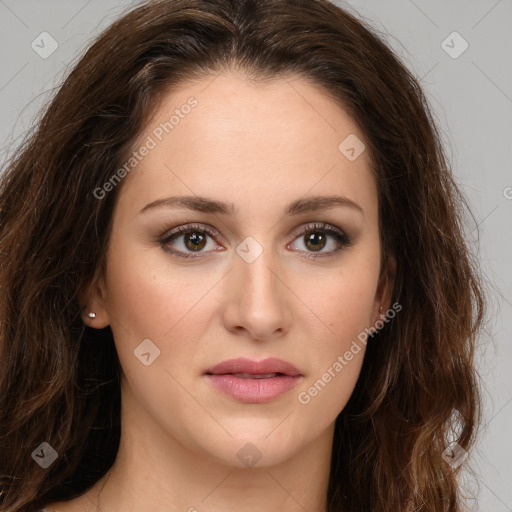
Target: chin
column 257, row 447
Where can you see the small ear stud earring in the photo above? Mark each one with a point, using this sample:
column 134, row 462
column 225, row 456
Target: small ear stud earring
column 91, row 314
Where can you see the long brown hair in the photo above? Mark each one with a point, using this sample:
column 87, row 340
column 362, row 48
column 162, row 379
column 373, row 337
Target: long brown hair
column 59, row 380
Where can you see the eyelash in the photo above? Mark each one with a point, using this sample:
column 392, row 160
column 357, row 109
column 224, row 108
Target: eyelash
column 341, row 238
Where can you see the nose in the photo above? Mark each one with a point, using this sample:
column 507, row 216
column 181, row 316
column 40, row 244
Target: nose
column 258, row 300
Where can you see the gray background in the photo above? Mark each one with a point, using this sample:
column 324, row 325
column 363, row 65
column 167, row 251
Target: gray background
column 471, row 96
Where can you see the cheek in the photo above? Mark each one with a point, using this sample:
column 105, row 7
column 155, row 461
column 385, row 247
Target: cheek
column 345, row 306
column 150, row 299
column 337, row 357
column 149, row 295
column 345, row 302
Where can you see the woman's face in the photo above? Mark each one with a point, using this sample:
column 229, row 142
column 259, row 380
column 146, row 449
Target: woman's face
column 244, row 280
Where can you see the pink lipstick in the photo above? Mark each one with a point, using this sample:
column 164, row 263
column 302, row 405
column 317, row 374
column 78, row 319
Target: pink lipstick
column 254, row 382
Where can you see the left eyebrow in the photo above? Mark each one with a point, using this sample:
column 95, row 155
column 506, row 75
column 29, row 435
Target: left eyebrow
column 309, row 204
column 208, row 205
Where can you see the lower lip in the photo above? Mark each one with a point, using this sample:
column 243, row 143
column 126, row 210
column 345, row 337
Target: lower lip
column 254, row 391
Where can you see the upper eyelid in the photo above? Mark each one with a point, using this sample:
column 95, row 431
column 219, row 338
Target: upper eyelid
column 184, row 228
column 319, row 225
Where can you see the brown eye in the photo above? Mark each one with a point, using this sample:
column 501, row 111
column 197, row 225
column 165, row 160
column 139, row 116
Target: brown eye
column 194, row 240
column 188, row 241
column 315, row 240
column 321, row 240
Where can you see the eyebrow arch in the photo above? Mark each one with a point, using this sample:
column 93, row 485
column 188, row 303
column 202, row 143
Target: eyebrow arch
column 207, row 205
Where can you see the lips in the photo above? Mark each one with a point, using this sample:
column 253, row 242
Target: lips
column 247, row 368
column 254, row 382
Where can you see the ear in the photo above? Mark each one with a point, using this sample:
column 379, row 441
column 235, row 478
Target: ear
column 384, row 292
column 94, row 300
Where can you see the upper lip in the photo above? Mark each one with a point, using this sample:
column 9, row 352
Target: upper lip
column 244, row 365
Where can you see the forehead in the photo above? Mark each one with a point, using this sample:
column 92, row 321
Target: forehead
column 224, row 132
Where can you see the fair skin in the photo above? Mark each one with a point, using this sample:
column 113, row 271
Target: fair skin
column 260, row 147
